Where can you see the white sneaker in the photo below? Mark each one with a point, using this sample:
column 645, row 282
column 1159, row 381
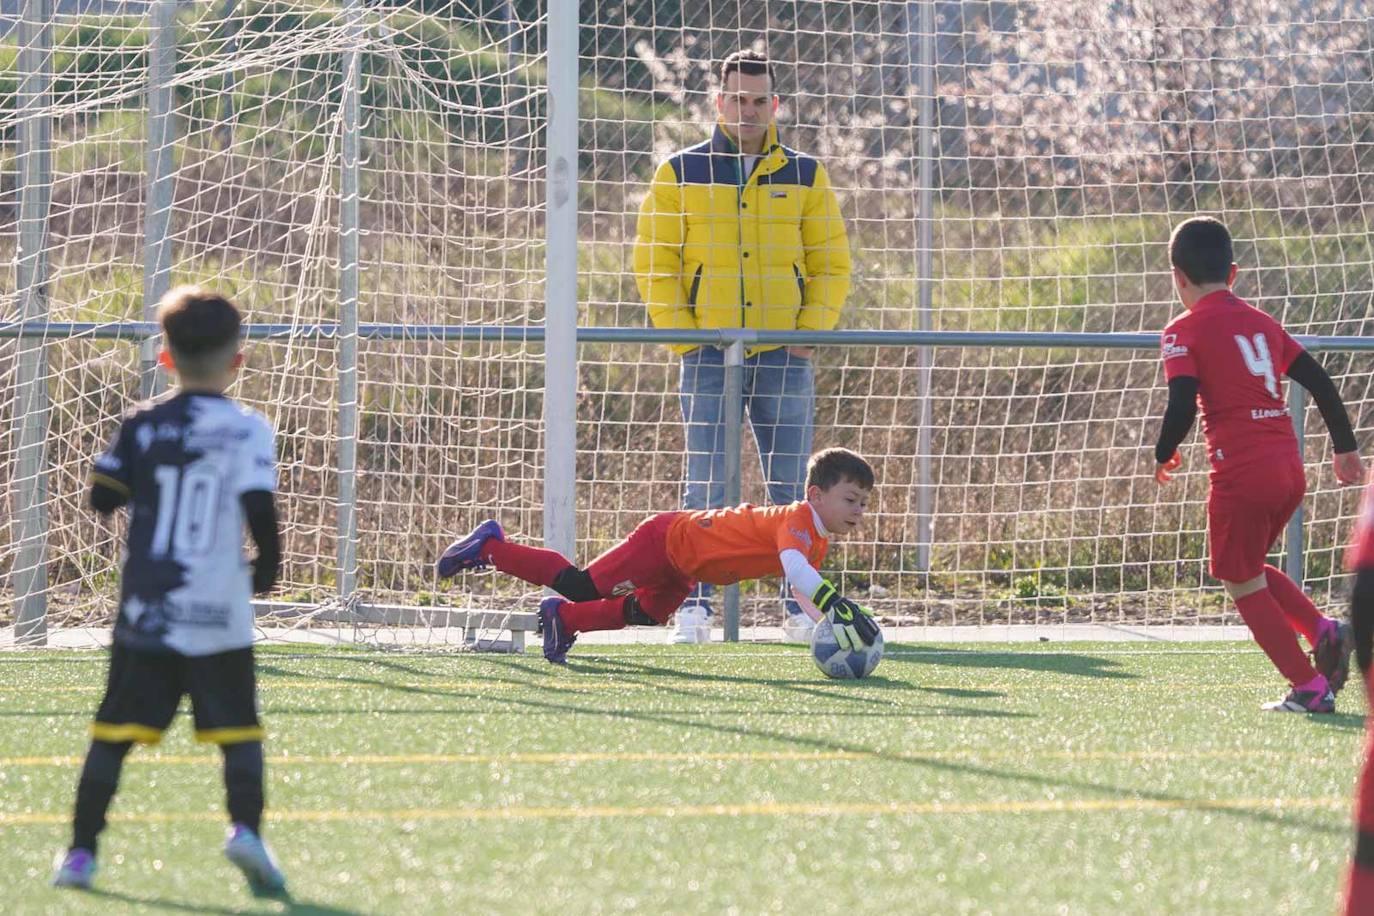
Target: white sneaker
column 798, row 628
column 693, row 625
column 246, row 850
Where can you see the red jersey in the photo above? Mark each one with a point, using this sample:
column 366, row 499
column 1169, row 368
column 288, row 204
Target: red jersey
column 1238, row 354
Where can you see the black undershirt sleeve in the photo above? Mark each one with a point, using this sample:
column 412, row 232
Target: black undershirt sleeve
column 1362, row 616
column 1309, row 373
column 260, row 510
column 106, row 499
column 1178, row 416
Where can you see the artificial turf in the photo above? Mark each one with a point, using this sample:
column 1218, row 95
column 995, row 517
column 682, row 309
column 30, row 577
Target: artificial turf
column 1042, row 778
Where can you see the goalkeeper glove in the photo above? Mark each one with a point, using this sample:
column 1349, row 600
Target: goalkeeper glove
column 853, row 624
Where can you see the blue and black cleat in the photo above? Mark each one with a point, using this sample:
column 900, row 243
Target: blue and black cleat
column 557, row 639
column 466, row 553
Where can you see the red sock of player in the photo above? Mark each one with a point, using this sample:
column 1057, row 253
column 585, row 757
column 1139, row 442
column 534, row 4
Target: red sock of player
column 590, row 616
column 1359, row 892
column 1265, row 619
column 1297, row 607
column 536, row 565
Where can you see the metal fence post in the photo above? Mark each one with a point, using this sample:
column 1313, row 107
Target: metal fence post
column 560, row 283
column 157, row 215
column 733, row 415
column 920, row 20
column 30, row 575
column 348, row 310
column 1293, row 535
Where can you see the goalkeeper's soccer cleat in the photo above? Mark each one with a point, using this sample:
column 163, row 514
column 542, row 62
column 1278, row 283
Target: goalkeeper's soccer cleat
column 1332, row 653
column 75, row 868
column 557, row 639
column 246, row 850
column 466, row 553
column 1316, row 697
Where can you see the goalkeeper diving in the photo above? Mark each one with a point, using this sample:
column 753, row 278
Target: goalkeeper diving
column 642, row 580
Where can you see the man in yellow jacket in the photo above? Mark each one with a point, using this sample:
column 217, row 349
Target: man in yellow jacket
column 742, row 232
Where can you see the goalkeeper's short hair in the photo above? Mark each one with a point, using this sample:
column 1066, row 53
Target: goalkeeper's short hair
column 834, row 465
column 201, row 329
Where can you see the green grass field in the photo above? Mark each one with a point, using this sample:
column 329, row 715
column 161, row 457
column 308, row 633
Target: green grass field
column 1049, row 778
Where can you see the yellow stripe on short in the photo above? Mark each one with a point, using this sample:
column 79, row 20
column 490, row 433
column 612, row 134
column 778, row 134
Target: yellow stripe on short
column 230, row 735
column 125, row 731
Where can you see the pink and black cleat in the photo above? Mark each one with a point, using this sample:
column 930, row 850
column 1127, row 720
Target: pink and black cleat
column 1315, row 696
column 1331, row 655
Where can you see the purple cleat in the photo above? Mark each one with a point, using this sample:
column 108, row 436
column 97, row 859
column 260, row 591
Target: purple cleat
column 557, row 639
column 75, row 868
column 466, row 553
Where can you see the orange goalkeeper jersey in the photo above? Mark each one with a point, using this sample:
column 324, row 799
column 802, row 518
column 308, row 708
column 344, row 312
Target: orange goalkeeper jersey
column 724, row 546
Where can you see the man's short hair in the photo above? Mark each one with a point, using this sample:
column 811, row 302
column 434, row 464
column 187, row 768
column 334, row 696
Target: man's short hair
column 201, row 329
column 1201, row 248
column 748, row 62
column 831, row 466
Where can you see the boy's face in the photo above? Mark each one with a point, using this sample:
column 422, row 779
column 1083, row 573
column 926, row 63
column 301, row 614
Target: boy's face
column 841, row 507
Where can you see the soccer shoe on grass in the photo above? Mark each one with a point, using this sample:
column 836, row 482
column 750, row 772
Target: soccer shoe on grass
column 557, row 639
column 1317, row 701
column 798, row 628
column 466, row 553
column 1332, row 653
column 692, row 625
column 246, row 850
column 75, row 868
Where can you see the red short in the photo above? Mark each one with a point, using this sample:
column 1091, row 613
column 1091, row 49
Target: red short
column 639, row 565
column 1247, row 512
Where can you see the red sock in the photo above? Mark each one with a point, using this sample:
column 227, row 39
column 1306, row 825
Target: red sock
column 1359, row 892
column 589, row 616
column 1265, row 619
column 1297, row 607
column 536, row 565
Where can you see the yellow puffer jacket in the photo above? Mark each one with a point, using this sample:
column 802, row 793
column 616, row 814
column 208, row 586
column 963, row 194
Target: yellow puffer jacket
column 767, row 251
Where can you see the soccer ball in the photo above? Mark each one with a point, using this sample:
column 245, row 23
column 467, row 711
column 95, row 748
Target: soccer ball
column 842, row 663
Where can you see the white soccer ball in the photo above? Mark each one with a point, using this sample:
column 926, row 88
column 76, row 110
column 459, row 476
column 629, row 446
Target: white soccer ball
column 842, row 663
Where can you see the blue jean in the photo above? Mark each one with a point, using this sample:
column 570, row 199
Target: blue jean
column 780, row 401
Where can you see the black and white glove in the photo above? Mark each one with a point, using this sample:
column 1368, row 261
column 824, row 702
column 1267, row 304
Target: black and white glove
column 853, row 624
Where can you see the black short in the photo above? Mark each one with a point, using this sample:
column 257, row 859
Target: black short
column 145, row 689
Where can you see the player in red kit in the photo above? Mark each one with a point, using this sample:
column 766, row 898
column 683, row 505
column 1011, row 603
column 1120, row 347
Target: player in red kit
column 1230, row 358
column 1359, row 888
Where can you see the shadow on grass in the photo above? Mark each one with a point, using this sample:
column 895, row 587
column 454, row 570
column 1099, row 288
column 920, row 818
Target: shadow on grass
column 268, row 903
column 1071, row 663
column 1343, row 721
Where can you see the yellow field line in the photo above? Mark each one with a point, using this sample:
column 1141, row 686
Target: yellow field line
column 759, row 809
column 668, row 757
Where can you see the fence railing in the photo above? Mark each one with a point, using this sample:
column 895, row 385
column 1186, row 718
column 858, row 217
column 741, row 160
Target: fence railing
column 31, row 564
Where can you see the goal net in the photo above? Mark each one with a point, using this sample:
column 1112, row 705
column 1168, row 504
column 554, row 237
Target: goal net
column 1064, row 141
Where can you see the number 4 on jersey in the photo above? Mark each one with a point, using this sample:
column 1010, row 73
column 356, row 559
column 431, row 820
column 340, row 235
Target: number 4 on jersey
column 1257, row 360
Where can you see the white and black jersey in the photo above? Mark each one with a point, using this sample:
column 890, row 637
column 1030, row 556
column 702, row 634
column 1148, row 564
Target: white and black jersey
column 183, row 464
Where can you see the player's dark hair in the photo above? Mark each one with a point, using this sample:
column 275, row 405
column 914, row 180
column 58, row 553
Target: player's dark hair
column 201, row 329
column 750, row 63
column 1201, row 248
column 831, row 466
